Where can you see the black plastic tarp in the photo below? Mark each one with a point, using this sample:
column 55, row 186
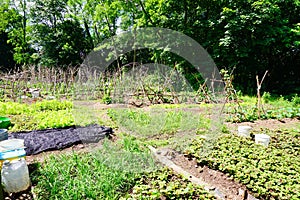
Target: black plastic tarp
column 54, row 139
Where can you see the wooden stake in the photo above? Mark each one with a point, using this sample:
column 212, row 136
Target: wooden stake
column 259, row 105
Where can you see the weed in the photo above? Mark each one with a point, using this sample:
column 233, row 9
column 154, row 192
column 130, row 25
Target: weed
column 296, row 100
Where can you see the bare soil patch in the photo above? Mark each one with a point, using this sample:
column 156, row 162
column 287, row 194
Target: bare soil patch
column 271, row 124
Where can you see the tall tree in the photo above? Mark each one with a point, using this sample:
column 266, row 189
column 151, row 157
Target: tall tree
column 7, row 17
column 59, row 39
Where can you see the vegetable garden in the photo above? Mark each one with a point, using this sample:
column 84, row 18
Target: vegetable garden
column 266, row 172
column 151, row 99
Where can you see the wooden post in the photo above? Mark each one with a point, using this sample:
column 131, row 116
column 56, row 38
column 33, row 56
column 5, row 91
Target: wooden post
column 259, row 105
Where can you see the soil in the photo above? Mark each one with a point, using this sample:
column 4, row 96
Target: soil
column 271, row 124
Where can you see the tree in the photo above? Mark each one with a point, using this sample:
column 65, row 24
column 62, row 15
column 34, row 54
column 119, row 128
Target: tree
column 6, row 49
column 250, row 36
column 14, row 38
column 59, row 39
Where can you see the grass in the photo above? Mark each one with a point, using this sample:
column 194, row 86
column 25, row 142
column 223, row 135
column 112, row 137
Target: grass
column 79, row 177
column 107, row 173
column 122, row 170
column 174, row 128
column 153, row 122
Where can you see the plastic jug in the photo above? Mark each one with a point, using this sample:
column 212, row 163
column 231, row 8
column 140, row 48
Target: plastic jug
column 15, row 175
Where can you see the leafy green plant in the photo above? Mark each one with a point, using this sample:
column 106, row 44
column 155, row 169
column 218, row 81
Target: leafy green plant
column 267, row 97
column 13, row 108
column 164, row 184
column 106, row 99
column 40, row 115
column 42, row 120
column 296, row 100
column 268, row 172
column 276, row 108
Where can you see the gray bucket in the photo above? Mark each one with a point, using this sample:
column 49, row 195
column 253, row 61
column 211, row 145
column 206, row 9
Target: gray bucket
column 3, row 134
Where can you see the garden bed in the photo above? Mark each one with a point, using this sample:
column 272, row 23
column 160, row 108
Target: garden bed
column 228, row 167
column 270, row 173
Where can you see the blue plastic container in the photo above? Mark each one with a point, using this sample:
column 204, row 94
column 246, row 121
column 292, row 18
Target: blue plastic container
column 13, row 148
column 16, row 153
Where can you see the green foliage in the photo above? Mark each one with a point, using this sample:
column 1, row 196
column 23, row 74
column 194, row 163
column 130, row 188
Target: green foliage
column 41, row 115
column 276, row 108
column 251, row 36
column 164, row 184
column 250, row 114
column 13, row 108
column 8, row 20
column 296, row 100
column 158, row 122
column 267, row 97
column 62, row 39
column 42, row 120
column 268, row 172
column 78, row 176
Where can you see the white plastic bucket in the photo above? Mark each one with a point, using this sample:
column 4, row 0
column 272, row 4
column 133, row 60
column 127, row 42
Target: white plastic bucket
column 244, row 131
column 262, row 139
column 14, row 172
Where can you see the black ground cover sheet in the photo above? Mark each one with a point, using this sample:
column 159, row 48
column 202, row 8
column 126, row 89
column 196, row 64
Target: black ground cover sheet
column 54, row 139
